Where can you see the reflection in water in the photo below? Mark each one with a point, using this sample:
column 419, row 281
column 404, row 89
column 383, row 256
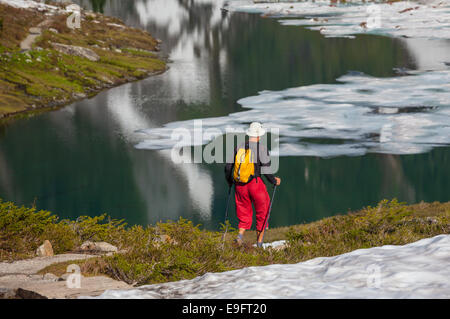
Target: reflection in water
column 429, row 54
column 162, row 13
column 81, row 159
column 5, row 177
column 197, row 180
column 98, row 5
column 394, row 176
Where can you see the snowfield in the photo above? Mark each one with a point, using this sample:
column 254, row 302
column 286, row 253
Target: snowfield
column 417, row 270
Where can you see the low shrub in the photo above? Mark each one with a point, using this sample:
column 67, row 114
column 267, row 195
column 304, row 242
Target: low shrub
column 23, row 230
column 178, row 250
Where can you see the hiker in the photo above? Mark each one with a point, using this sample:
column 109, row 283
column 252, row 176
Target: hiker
column 244, row 170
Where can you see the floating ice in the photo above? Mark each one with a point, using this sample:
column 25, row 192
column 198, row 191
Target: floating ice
column 425, row 19
column 400, row 115
column 417, row 270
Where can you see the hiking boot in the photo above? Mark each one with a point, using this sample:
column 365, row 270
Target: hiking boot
column 238, row 241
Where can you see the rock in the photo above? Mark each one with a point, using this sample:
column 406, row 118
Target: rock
column 115, row 25
column 19, row 293
column 35, row 30
column 63, row 277
column 77, row 51
column 104, row 78
column 53, row 30
column 103, row 247
column 164, row 239
column 35, row 277
column 79, row 95
column 50, row 277
column 45, row 250
column 91, row 15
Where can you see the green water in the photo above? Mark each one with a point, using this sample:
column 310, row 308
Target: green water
column 81, row 160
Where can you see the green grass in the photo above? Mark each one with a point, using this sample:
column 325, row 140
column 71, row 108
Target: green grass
column 188, row 251
column 141, row 53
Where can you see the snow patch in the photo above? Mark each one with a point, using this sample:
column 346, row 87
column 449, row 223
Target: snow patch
column 274, row 244
column 427, row 19
column 417, row 270
column 361, row 114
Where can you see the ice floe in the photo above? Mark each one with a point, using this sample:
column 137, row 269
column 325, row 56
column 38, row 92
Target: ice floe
column 419, row 19
column 360, row 114
column 417, row 270
column 42, row 6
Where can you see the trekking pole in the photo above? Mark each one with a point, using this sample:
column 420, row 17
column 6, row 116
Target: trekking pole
column 226, row 216
column 268, row 214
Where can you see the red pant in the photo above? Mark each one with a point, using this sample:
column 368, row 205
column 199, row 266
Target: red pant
column 254, row 192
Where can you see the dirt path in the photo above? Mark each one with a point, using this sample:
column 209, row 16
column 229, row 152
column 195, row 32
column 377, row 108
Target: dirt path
column 23, row 274
column 32, row 266
column 34, row 32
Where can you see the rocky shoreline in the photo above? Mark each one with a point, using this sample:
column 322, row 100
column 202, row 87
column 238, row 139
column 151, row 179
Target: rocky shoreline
column 53, row 64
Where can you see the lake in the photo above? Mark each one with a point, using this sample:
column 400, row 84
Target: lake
column 83, row 160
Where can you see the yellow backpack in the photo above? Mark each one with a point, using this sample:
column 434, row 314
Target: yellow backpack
column 244, row 168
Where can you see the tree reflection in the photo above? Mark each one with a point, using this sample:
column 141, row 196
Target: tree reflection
column 98, row 5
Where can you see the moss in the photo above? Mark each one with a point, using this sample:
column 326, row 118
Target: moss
column 133, row 63
column 45, row 77
column 60, row 269
column 141, row 53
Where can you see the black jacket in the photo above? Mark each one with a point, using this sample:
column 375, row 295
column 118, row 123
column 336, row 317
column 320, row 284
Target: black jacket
column 262, row 159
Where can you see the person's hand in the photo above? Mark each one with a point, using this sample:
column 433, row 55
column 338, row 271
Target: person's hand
column 278, row 181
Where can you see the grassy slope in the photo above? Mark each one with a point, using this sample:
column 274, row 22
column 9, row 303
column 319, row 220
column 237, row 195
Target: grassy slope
column 188, row 252
column 44, row 77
